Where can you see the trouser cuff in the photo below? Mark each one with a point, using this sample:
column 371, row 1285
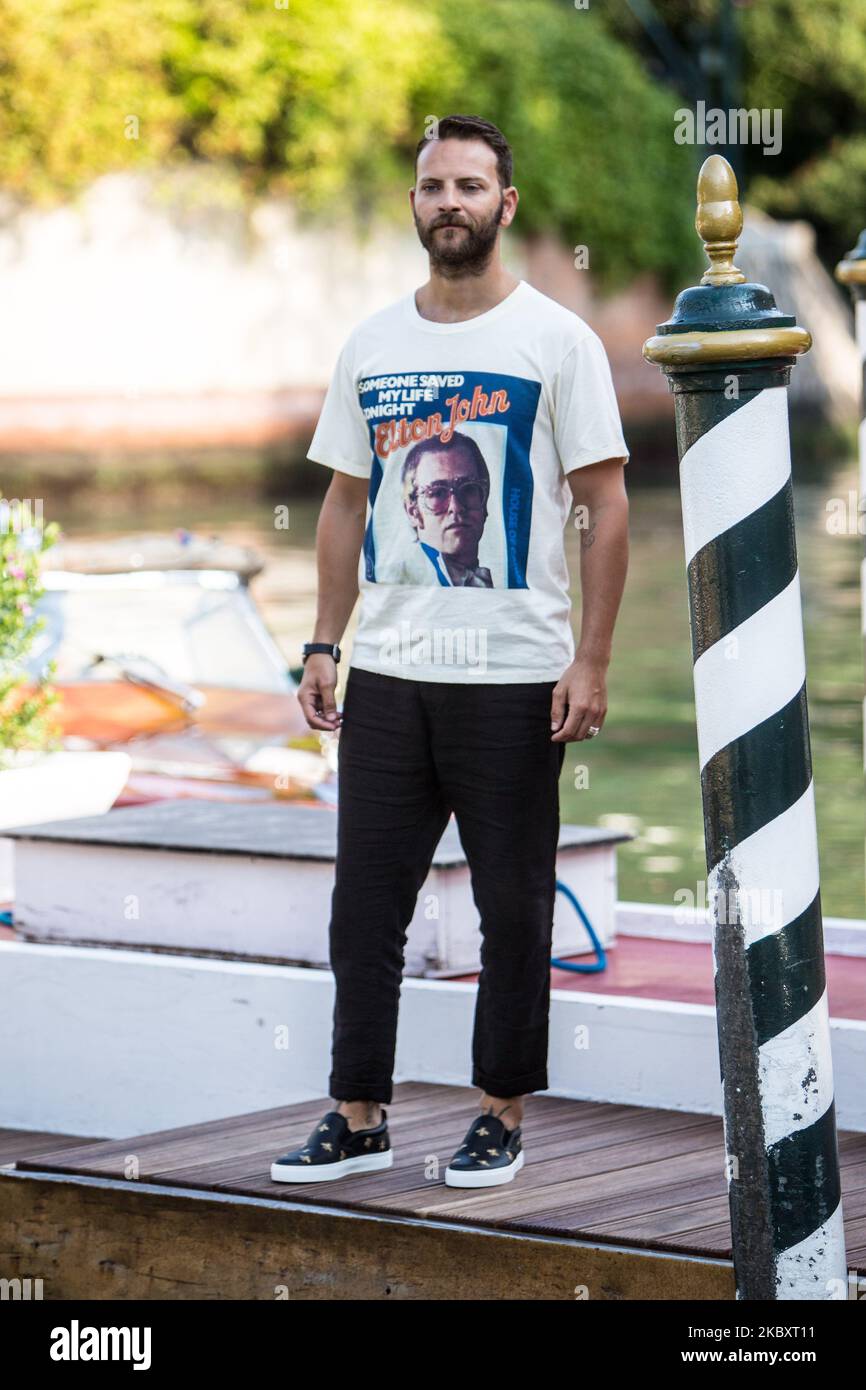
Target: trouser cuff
column 507, row 1086
column 360, row 1090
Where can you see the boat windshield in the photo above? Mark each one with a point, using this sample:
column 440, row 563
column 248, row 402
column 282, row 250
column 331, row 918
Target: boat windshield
column 199, row 626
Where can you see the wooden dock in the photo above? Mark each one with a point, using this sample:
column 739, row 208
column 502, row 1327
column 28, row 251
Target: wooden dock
column 614, row 1202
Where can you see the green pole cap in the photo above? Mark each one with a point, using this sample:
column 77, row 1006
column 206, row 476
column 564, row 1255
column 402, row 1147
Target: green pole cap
column 724, row 318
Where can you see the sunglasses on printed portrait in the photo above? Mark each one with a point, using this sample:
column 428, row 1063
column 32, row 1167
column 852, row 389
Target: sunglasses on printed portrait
column 471, row 493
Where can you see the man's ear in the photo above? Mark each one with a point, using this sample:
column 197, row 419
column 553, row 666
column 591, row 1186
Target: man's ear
column 509, row 211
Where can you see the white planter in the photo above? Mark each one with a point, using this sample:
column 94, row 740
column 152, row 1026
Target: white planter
column 40, row 787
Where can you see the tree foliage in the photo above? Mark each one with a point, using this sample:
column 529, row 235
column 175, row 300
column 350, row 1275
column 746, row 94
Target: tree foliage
column 595, row 159
column 805, row 58
column 24, row 704
column 325, row 99
column 809, row 60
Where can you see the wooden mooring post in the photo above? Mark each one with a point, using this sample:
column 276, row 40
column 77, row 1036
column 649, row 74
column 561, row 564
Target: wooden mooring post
column 727, row 352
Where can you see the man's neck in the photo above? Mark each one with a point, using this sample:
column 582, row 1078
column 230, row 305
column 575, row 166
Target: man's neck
column 458, row 569
column 451, row 299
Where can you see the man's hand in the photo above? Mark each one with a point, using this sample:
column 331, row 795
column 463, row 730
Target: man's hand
column 316, row 692
column 339, row 535
column 580, row 697
column 579, row 700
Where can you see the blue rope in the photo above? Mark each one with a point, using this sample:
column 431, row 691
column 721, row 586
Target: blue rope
column 601, row 961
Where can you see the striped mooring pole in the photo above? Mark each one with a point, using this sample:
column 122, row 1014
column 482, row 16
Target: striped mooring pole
column 852, row 272
column 727, row 352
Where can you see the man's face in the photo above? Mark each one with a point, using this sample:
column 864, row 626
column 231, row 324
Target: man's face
column 458, row 204
column 454, row 523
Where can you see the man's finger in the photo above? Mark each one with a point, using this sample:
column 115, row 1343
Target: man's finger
column 591, row 719
column 557, row 708
column 329, row 704
column 569, row 728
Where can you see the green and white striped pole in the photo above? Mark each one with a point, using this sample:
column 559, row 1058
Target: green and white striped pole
column 852, row 272
column 727, row 352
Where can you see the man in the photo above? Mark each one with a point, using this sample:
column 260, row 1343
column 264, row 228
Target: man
column 445, row 491
column 475, row 355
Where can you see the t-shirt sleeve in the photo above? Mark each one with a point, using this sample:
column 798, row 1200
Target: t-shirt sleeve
column 342, row 438
column 587, row 425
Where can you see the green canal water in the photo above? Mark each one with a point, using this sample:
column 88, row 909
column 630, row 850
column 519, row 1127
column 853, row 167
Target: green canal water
column 642, row 773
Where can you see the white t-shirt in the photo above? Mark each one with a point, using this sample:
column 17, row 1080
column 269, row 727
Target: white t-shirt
column 467, row 431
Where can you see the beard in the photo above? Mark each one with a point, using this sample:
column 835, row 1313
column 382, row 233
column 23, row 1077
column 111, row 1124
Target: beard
column 466, row 255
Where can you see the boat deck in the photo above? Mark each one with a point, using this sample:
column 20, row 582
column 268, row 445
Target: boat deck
column 622, row 1201
column 682, row 972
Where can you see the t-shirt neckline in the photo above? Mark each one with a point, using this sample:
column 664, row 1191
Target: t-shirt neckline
column 464, row 325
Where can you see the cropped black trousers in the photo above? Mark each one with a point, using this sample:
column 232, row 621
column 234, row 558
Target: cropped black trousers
column 411, row 753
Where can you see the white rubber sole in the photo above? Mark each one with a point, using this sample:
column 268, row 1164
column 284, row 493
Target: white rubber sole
column 327, row 1172
column 483, row 1177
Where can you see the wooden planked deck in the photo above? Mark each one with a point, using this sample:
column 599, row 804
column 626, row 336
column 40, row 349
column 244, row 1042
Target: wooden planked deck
column 637, row 1195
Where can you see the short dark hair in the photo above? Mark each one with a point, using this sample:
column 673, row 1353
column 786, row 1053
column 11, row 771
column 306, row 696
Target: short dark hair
column 436, row 445
column 474, row 128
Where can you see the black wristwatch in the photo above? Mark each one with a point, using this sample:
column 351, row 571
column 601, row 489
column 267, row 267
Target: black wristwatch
column 309, row 648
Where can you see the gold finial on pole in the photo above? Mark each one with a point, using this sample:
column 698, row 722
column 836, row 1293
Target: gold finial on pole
column 707, row 328
column 719, row 221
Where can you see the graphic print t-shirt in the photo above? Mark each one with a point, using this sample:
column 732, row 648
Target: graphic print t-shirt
column 466, row 432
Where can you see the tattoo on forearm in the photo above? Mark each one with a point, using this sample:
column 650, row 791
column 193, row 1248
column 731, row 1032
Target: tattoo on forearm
column 588, row 536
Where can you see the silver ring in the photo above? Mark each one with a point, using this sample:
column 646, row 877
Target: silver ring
column 593, row 731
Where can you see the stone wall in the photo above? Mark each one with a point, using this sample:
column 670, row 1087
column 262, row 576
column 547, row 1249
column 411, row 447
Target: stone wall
column 160, row 311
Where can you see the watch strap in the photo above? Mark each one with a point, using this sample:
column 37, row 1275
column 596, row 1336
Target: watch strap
column 327, row 648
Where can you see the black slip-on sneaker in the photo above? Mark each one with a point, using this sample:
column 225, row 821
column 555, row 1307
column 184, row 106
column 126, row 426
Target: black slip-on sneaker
column 334, row 1151
column 489, row 1155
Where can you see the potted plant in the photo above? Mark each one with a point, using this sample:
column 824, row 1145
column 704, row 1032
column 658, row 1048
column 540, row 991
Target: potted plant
column 25, row 722
column 39, row 779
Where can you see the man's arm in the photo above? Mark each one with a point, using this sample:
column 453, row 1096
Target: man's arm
column 339, row 537
column 580, row 697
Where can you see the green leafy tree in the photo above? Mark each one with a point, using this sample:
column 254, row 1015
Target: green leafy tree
column 325, row 102
column 805, row 58
column 595, row 159
column 810, row 62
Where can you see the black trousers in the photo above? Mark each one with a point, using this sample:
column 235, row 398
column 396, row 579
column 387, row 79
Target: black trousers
column 410, row 753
